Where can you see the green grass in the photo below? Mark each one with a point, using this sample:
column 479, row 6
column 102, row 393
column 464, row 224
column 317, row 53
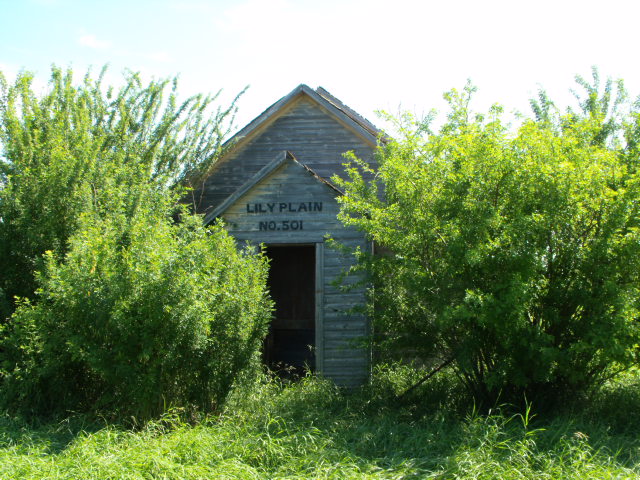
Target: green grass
column 313, row 430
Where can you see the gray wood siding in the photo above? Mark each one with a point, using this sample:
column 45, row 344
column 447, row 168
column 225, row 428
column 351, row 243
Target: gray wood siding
column 339, row 358
column 314, row 136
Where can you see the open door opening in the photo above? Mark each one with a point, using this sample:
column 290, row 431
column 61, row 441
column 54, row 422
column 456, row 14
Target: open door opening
column 289, row 348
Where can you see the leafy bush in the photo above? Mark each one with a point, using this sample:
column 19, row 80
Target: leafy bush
column 142, row 314
column 64, row 150
column 517, row 254
column 120, row 308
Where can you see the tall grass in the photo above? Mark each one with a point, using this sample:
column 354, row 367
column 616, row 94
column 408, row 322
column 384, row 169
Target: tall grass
column 311, row 429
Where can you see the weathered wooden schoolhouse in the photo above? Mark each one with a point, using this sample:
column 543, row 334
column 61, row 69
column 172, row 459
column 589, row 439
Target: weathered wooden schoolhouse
column 273, row 187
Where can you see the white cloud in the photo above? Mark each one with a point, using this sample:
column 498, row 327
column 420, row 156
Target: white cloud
column 194, row 6
column 161, row 56
column 91, row 41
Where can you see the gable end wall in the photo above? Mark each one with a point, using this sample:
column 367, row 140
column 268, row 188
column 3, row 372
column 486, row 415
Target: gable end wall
column 316, row 138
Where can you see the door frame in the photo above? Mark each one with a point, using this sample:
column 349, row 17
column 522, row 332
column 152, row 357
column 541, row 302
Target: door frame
column 318, row 296
column 319, row 287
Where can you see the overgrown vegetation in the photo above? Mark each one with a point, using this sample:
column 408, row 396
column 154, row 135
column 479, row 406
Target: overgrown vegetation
column 73, row 148
column 313, row 430
column 513, row 254
column 120, row 302
column 142, row 314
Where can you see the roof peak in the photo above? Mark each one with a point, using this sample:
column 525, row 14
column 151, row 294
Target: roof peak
column 326, row 100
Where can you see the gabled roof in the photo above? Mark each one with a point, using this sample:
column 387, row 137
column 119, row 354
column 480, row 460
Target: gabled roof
column 328, row 102
column 355, row 116
column 283, row 157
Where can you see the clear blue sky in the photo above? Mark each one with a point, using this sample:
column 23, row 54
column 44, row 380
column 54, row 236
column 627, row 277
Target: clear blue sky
column 371, row 54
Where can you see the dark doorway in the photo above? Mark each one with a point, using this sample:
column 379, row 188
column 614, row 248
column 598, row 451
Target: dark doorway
column 289, row 347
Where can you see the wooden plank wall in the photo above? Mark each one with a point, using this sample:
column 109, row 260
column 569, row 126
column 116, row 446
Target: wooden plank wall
column 315, row 137
column 267, row 214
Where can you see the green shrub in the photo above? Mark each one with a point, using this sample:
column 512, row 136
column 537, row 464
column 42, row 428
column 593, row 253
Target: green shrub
column 63, row 150
column 133, row 312
column 141, row 315
column 514, row 253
